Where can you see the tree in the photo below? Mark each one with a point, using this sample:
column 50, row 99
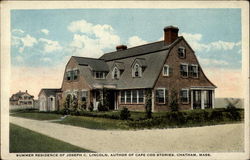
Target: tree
column 106, row 99
column 67, row 104
column 148, row 105
column 174, row 104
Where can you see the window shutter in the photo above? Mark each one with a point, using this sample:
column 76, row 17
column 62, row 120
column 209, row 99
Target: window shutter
column 166, row 96
column 140, row 71
column 170, row 71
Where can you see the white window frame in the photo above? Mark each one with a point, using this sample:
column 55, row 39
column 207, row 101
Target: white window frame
column 139, row 71
column 131, row 96
column 87, row 94
column 184, row 52
column 101, row 73
column 187, row 69
column 197, row 69
column 163, row 70
column 164, row 95
column 113, row 73
column 185, row 89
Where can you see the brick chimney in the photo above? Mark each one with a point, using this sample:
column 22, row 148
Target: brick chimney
column 121, row 47
column 170, row 34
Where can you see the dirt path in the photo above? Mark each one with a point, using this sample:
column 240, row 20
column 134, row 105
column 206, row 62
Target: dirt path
column 210, row 138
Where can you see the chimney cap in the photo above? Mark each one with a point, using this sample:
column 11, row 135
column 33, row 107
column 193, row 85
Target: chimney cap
column 121, row 47
column 171, row 27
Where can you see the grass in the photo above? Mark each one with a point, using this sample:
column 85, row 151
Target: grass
column 25, row 140
column 37, row 115
column 94, row 122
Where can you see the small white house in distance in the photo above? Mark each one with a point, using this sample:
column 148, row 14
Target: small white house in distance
column 48, row 99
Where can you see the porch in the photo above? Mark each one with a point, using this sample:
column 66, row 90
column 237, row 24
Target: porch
column 202, row 97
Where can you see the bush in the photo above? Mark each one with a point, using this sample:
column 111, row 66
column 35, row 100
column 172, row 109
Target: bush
column 197, row 116
column 125, row 114
column 176, row 117
column 102, row 107
column 91, row 107
column 234, row 114
column 148, row 105
column 216, row 115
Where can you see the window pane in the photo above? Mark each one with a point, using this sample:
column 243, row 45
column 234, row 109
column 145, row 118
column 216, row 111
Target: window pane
column 134, row 96
column 122, row 96
column 184, row 95
column 128, row 96
column 160, row 95
column 141, row 96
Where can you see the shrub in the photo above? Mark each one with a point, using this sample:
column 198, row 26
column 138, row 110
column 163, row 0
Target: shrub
column 216, row 115
column 234, row 114
column 174, row 105
column 148, row 105
column 91, row 107
column 125, row 114
column 102, row 107
column 176, row 117
column 197, row 116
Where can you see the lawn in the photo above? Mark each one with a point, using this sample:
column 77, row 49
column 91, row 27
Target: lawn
column 94, row 122
column 37, row 115
column 25, row 140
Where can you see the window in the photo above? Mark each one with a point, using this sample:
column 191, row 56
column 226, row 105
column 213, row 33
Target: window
column 115, row 73
column 72, row 75
column 132, row 96
column 184, row 70
column 122, row 96
column 160, row 95
column 128, row 96
column 182, row 52
column 184, row 96
column 165, row 71
column 194, row 70
column 68, row 76
column 141, row 96
column 99, row 75
column 136, row 71
column 75, row 74
column 84, row 96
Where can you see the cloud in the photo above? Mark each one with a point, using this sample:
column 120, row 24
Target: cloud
column 17, row 31
column 195, row 41
column 50, row 46
column 45, row 31
column 212, row 62
column 135, row 41
column 23, row 42
column 46, row 59
column 91, row 40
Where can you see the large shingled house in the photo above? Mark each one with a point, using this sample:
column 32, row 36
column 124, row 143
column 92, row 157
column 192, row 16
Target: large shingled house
column 21, row 100
column 159, row 67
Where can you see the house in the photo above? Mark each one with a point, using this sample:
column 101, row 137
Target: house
column 126, row 76
column 21, row 100
column 49, row 99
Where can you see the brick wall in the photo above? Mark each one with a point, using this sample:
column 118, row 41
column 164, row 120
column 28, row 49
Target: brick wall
column 174, row 80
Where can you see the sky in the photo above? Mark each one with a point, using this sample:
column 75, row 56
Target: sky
column 42, row 41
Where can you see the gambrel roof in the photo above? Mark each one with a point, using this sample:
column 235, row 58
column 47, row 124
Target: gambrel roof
column 95, row 64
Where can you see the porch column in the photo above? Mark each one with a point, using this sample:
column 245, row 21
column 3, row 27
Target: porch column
column 192, row 100
column 153, row 100
column 101, row 95
column 213, row 98
column 202, row 99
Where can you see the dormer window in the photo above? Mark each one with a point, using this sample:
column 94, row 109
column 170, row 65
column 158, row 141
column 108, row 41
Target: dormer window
column 99, row 75
column 116, row 73
column 137, row 71
column 182, row 52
